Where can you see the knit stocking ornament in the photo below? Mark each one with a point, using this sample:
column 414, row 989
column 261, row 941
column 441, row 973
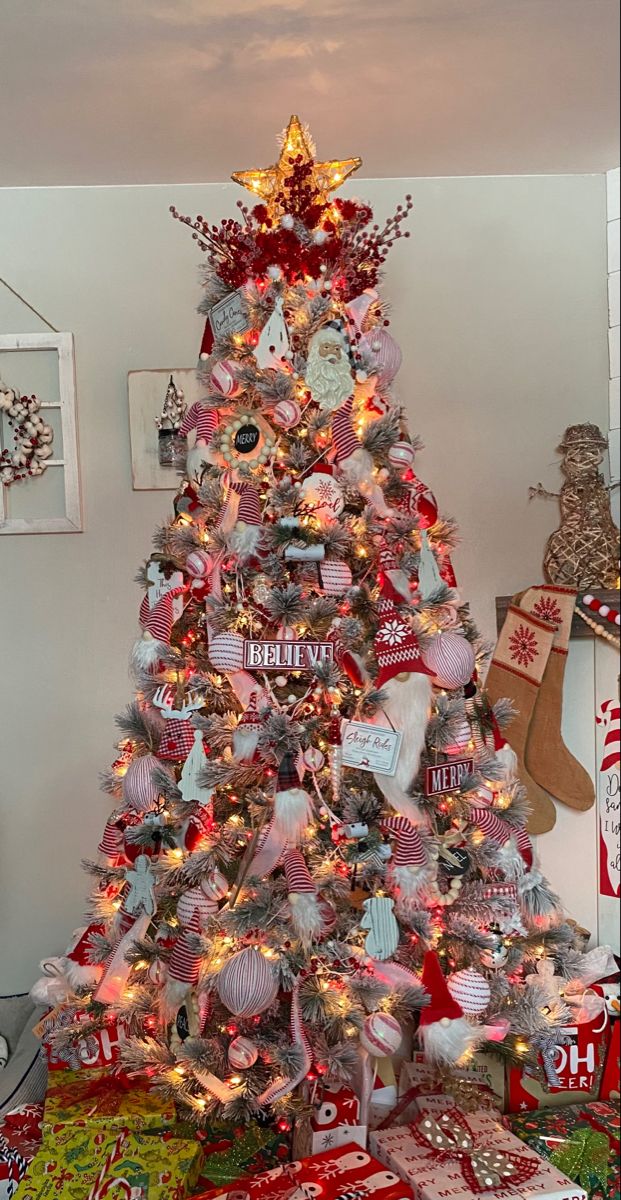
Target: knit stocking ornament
column 548, row 760
column 515, row 672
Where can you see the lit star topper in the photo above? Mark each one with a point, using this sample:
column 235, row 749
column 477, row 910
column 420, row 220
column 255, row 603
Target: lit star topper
column 270, row 184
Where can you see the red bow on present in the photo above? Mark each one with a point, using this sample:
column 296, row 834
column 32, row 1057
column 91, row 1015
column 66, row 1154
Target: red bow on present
column 108, row 1087
column 450, row 1139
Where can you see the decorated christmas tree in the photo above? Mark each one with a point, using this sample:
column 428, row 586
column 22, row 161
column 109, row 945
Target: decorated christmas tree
column 318, row 845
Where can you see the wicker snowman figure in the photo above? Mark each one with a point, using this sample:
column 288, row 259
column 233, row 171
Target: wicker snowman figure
column 584, row 551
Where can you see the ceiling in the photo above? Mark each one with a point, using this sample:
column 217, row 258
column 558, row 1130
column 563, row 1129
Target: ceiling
column 149, row 91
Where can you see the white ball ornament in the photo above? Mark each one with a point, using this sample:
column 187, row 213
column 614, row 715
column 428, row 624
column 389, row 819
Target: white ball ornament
column 381, row 1035
column 216, row 886
column 401, row 455
column 470, row 990
column 247, row 985
column 242, row 1053
column 224, row 378
column 451, row 658
column 287, row 221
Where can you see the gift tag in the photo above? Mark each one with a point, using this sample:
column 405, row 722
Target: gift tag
column 370, row 748
column 229, row 316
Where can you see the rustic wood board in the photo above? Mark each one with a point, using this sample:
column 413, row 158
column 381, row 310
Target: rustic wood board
column 579, row 628
column 146, row 392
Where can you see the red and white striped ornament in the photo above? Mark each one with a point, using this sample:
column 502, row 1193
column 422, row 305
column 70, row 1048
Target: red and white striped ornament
column 198, row 564
column 242, row 1053
column 139, row 791
column 286, row 414
column 401, row 455
column 226, row 652
column 384, row 353
column 184, row 960
column 195, row 901
column 491, row 825
column 247, row 985
column 313, row 759
column 470, row 990
column 608, row 715
column 336, row 576
column 224, row 378
column 216, row 886
column 381, row 1035
column 111, row 843
column 451, row 658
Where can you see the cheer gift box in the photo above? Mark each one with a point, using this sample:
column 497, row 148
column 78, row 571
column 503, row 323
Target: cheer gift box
column 130, row 1166
column 347, row 1172
column 583, row 1140
column 103, row 1099
column 578, row 1066
column 434, row 1176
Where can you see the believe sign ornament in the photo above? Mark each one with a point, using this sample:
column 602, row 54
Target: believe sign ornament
column 283, row 656
column 447, row 777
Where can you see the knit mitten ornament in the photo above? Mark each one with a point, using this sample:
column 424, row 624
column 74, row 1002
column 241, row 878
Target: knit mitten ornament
column 515, row 672
column 548, row 760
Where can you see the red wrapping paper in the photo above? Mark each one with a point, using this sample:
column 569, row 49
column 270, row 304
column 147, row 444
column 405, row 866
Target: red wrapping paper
column 347, row 1171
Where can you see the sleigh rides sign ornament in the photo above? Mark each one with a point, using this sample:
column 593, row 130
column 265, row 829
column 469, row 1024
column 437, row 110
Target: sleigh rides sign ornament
column 285, row 655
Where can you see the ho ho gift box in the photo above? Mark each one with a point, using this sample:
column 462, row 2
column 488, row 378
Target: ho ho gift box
column 344, row 1173
column 451, row 1156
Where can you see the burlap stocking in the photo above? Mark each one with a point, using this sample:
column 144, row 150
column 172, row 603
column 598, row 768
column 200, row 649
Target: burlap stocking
column 547, row 758
column 515, row 672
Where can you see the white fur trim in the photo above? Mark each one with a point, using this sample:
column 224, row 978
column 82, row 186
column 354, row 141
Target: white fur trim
column 244, row 540
column 305, row 915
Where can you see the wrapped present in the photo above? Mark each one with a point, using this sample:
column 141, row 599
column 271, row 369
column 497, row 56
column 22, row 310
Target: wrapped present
column 611, row 1077
column 103, row 1098
column 581, row 1140
column 336, row 1119
column 574, row 1070
column 20, row 1138
column 345, row 1173
column 447, row 1153
column 98, row 1048
column 242, row 1151
column 130, row 1166
column 478, row 1084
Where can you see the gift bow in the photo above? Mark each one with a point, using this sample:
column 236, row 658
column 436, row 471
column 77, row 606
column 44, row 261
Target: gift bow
column 585, row 1154
column 450, row 1139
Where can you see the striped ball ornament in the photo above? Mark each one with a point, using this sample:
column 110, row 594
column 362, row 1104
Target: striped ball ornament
column 195, row 901
column 381, row 1035
column 242, row 1053
column 139, row 791
column 216, row 886
column 470, row 990
column 451, row 658
column 226, row 652
column 401, row 455
column 286, row 414
column 247, row 984
column 198, row 563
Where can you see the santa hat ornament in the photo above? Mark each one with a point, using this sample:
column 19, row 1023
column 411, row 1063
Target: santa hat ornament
column 408, row 857
column 293, row 807
column 72, row 970
column 183, row 966
column 207, row 342
column 241, row 518
column 406, row 687
column 246, row 735
column 443, row 1030
column 306, row 913
column 157, row 623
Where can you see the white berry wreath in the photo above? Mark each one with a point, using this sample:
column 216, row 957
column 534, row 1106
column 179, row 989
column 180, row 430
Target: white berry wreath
column 31, row 436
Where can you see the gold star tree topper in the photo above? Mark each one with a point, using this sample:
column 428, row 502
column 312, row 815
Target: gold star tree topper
column 269, row 184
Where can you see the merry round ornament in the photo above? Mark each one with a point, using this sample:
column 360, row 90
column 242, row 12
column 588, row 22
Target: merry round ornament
column 245, row 442
column 247, row 984
column 451, row 658
column 381, row 1035
column 242, row 1053
column 470, row 990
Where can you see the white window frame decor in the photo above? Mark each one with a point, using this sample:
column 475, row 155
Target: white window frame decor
column 71, row 522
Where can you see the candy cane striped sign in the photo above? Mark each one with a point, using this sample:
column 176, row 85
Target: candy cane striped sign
column 609, row 800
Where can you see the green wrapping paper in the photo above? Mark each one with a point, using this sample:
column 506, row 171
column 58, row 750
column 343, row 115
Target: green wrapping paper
column 581, row 1140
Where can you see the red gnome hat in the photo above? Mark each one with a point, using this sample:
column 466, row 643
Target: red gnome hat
column 157, row 623
column 396, row 646
column 443, row 1030
column 302, row 894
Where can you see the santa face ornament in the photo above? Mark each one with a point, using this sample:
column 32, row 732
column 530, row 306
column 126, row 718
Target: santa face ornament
column 328, row 369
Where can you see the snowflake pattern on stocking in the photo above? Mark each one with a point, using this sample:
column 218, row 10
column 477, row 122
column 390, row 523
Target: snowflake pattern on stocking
column 548, row 610
column 523, row 646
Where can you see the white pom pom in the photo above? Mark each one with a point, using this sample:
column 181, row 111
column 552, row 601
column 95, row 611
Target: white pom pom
column 275, row 272
column 287, row 221
column 319, row 237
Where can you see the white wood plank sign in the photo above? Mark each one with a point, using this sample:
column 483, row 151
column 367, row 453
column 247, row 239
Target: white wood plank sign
column 146, row 392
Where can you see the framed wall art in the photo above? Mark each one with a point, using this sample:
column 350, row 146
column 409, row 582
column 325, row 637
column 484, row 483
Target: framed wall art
column 158, row 400
column 39, row 467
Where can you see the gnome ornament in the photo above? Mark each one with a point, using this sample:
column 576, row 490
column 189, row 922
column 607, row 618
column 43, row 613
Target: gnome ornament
column 204, row 423
column 306, row 913
column 157, row 623
column 246, row 735
column 408, row 857
column 273, row 344
column 405, row 682
column 443, row 1030
column 393, row 582
column 293, row 807
column 240, row 518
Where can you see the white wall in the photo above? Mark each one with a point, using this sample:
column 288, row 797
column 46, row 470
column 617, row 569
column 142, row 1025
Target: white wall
column 499, row 302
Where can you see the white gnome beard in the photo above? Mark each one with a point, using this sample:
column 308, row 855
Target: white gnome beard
column 82, row 975
column 197, row 458
column 173, row 995
column 406, row 707
column 409, row 882
column 293, row 811
column 358, row 470
column 244, row 539
column 330, row 384
column 147, row 653
column 305, row 915
column 446, row 1041
column 245, row 742
column 508, row 758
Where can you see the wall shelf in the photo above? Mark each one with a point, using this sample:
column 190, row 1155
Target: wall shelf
column 579, row 629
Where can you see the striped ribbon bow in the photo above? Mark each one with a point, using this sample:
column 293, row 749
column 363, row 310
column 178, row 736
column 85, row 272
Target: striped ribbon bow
column 450, row 1139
